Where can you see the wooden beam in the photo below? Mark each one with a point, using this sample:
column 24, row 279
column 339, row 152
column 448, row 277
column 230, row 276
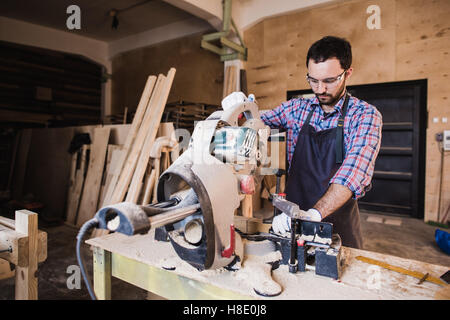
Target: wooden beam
column 135, row 124
column 89, row 198
column 5, row 270
column 102, row 274
column 26, row 279
column 73, row 202
column 18, row 242
column 148, row 188
column 131, row 161
column 136, row 183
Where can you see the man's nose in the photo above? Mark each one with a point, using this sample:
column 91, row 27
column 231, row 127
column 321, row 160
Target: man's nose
column 322, row 87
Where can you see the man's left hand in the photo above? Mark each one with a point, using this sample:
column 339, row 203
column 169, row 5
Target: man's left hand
column 311, row 215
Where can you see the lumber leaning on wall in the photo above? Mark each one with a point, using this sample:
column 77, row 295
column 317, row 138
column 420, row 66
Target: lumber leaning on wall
column 89, row 199
column 138, row 175
column 135, row 124
column 73, row 201
column 127, row 172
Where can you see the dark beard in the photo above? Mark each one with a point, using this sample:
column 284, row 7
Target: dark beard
column 334, row 99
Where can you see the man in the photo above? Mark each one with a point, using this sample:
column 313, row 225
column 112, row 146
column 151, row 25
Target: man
column 333, row 140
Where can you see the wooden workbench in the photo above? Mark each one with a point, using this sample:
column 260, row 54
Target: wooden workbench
column 139, row 259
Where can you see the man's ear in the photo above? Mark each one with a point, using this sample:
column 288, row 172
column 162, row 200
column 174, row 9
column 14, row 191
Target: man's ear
column 349, row 72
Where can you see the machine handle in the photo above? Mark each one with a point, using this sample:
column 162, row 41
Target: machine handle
column 228, row 251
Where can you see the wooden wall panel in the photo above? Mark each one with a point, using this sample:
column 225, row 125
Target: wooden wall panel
column 422, row 19
column 199, row 75
column 298, row 40
column 413, row 43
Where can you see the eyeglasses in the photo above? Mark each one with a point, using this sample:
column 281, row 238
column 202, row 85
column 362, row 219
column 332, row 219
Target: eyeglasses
column 330, row 83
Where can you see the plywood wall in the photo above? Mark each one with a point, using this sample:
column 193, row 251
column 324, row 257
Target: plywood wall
column 199, row 76
column 413, row 43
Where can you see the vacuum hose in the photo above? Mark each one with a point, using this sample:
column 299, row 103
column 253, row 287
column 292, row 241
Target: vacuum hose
column 88, row 225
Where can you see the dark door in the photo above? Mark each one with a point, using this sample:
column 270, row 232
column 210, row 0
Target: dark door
column 398, row 182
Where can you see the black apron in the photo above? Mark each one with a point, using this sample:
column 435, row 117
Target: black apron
column 317, row 157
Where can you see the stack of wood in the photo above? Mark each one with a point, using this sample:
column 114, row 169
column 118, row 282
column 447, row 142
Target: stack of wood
column 124, row 170
column 184, row 114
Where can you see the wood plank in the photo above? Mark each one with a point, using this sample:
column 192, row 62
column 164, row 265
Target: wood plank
column 136, row 123
column 148, row 188
column 102, row 274
column 10, row 238
column 89, row 198
column 247, row 206
column 158, row 109
column 26, row 277
column 131, row 160
column 74, row 200
column 156, row 167
column 5, row 270
column 111, row 168
column 72, row 177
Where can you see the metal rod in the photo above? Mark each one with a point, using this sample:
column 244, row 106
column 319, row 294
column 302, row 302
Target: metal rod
column 293, row 242
column 172, row 216
column 165, row 204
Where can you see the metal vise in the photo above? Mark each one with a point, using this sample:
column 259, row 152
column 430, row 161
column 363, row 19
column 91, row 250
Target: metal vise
column 310, row 243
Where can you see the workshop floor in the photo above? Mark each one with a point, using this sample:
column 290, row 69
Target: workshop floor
column 403, row 237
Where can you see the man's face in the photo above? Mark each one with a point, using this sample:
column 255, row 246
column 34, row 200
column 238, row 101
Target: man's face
column 327, row 93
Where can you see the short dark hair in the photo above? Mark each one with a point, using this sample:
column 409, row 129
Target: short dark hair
column 331, row 47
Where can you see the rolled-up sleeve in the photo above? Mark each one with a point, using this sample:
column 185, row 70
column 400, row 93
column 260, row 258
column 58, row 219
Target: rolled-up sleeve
column 362, row 150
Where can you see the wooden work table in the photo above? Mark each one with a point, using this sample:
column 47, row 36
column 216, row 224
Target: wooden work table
column 139, row 260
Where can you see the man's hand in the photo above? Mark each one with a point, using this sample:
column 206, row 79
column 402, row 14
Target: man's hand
column 282, row 222
column 311, row 215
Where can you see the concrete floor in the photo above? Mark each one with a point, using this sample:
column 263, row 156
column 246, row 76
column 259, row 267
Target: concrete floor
column 412, row 239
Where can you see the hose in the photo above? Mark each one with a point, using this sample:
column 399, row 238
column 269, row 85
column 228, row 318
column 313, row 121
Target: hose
column 88, row 225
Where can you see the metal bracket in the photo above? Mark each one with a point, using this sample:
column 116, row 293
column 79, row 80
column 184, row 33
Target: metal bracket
column 228, row 50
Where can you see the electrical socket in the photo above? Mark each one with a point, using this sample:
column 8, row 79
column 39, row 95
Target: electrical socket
column 439, row 137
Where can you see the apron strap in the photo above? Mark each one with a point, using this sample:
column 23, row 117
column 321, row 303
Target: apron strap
column 340, row 132
column 308, row 118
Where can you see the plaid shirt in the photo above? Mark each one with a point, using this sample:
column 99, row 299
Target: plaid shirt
column 362, row 135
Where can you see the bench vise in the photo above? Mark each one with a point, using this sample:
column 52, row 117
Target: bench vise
column 311, row 243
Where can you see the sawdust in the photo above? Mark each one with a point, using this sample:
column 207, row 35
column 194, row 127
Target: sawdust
column 315, row 238
column 256, row 271
column 354, row 283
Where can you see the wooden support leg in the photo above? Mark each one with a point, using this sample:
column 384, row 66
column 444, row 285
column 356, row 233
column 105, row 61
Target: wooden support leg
column 26, row 280
column 102, row 274
column 247, row 206
column 5, row 270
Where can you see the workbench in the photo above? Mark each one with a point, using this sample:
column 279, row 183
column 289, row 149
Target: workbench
column 139, row 260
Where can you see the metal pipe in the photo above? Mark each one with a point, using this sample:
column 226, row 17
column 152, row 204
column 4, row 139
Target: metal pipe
column 172, row 216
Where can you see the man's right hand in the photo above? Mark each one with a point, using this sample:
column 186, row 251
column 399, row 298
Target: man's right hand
column 281, row 223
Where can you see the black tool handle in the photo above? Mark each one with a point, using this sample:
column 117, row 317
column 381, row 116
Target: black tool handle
column 279, row 174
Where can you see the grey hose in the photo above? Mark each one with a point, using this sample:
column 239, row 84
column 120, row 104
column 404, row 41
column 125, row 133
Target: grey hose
column 88, row 225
